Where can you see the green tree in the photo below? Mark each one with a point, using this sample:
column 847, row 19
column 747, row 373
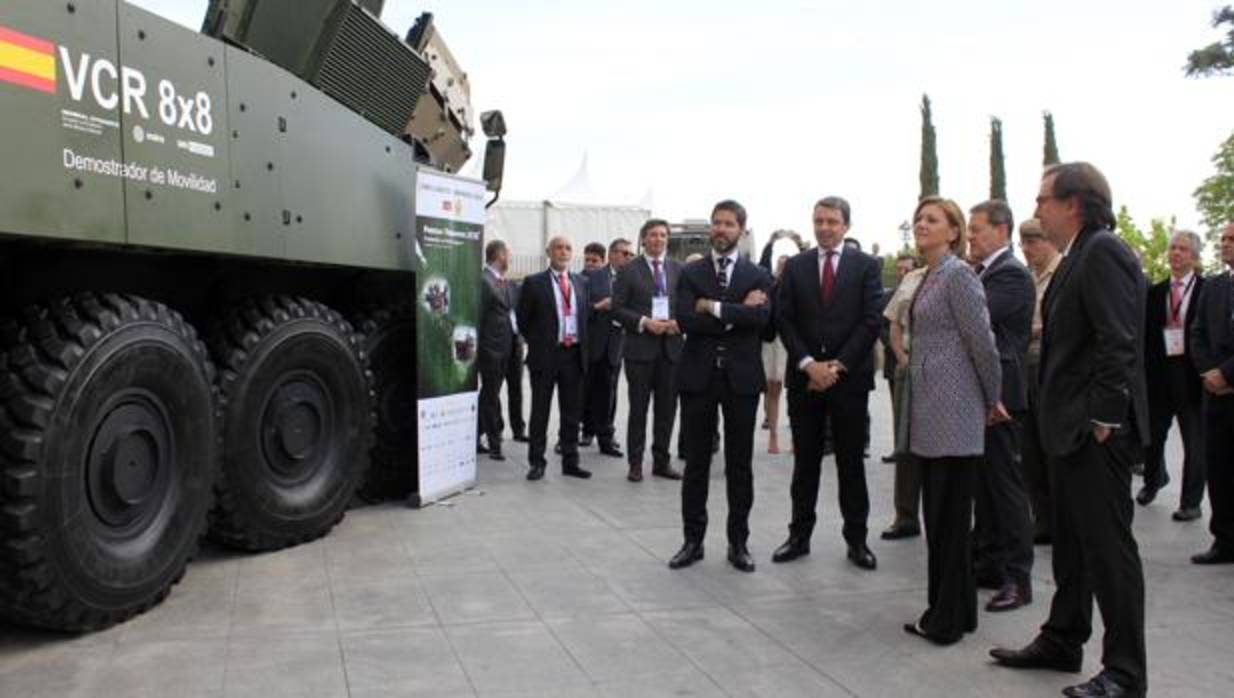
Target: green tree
column 998, row 171
column 1215, row 196
column 1051, row 145
column 1217, row 58
column 929, row 151
column 1150, row 245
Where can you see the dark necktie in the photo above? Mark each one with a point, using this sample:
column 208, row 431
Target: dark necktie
column 661, row 287
column 829, row 278
column 722, row 273
column 980, row 269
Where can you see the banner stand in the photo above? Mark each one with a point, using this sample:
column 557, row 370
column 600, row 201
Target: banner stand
column 449, row 236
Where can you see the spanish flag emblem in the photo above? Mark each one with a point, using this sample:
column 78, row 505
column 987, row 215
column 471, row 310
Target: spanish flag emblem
column 27, row 61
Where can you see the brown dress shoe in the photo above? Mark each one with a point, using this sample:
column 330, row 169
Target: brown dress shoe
column 635, row 474
column 1010, row 597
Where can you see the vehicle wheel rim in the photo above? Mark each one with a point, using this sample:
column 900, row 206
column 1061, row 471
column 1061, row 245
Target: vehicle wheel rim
column 128, row 464
column 296, row 428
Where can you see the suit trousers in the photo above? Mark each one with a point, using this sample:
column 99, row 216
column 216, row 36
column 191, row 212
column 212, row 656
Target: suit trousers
column 1034, row 464
column 1096, row 556
column 514, row 388
column 600, row 400
column 565, row 374
column 492, row 374
column 907, row 491
column 808, row 413
column 948, row 485
column 1219, row 437
column 699, row 422
column 1177, row 403
column 1004, row 523
column 652, row 382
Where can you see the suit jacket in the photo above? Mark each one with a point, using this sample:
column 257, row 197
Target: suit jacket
column 605, row 336
column 1212, row 333
column 953, row 366
column 496, row 332
column 884, row 335
column 1011, row 298
column 632, row 294
column 736, row 337
column 537, row 317
column 845, row 329
column 1155, row 373
column 1092, row 344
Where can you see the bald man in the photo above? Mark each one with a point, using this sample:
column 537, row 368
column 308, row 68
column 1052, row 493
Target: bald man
column 552, row 317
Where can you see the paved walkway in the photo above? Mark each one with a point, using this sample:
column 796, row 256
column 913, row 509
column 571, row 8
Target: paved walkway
column 559, row 588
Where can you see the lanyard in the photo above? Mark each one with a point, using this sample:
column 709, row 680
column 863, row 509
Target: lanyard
column 1175, row 309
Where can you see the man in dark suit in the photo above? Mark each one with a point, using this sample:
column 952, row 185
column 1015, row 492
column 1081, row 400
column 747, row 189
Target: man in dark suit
column 723, row 308
column 1174, row 386
column 604, row 350
column 644, row 300
column 552, row 316
column 827, row 314
column 514, row 371
column 1004, row 522
column 1093, row 417
column 496, row 343
column 1212, row 352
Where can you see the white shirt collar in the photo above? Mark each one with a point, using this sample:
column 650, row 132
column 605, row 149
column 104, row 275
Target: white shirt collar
column 732, row 257
column 1186, row 280
column 494, row 272
column 989, row 261
column 838, row 250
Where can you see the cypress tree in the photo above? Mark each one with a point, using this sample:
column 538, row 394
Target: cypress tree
column 929, row 152
column 1051, row 146
column 998, row 172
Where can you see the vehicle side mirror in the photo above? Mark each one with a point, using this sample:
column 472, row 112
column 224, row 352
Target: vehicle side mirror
column 494, row 164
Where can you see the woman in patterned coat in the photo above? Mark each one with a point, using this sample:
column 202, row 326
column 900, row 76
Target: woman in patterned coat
column 954, row 384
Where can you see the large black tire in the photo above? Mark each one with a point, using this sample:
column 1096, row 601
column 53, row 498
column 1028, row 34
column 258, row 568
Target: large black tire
column 390, row 340
column 108, row 451
column 298, row 421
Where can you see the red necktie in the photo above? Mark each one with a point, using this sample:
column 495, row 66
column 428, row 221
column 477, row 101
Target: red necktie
column 564, row 283
column 829, row 278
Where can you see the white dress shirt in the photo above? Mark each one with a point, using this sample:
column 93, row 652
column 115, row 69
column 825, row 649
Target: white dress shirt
column 555, row 278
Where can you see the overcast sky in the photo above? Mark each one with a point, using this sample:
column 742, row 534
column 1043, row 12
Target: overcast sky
column 778, row 103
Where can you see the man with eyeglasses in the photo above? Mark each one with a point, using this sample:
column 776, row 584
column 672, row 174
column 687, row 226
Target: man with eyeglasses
column 1212, row 353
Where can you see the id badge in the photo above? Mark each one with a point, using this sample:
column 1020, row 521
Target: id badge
column 1174, row 345
column 659, row 308
column 571, row 328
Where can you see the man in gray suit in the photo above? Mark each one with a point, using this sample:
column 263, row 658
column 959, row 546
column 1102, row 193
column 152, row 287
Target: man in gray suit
column 1003, row 545
column 496, row 343
column 1094, row 422
column 644, row 302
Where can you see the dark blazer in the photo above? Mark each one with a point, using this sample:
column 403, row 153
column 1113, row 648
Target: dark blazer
column 1154, row 341
column 1212, row 334
column 1092, row 344
column 737, row 336
column 632, row 294
column 537, row 318
column 496, row 332
column 1011, row 297
column 604, row 339
column 845, row 329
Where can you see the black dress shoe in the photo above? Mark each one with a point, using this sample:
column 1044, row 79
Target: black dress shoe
column 520, row 437
column 585, row 441
column 481, row 448
column 1213, row 556
column 575, row 471
column 496, row 455
column 690, row 553
column 1187, row 514
column 739, row 557
column 862, row 557
column 916, row 629
column 1146, row 495
column 792, row 549
column 1010, row 597
column 889, row 458
column 899, row 531
column 536, row 472
column 987, row 580
column 666, row 472
column 1039, row 654
column 610, row 449
column 1101, row 686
